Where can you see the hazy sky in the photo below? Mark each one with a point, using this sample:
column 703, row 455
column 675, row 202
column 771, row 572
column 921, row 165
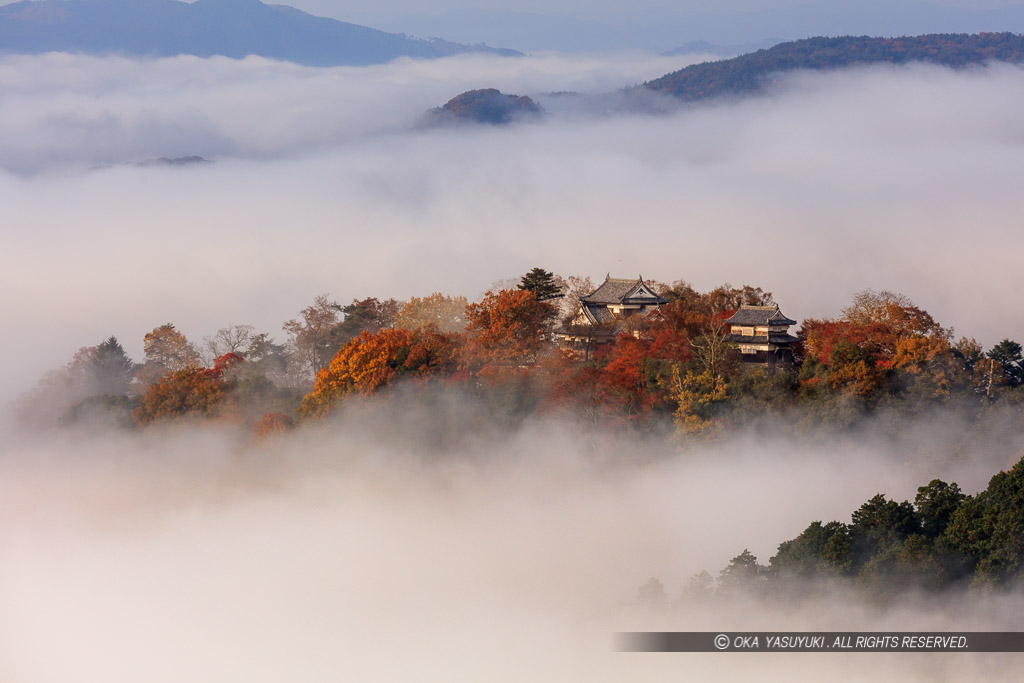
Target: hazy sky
column 659, row 26
column 342, row 8
column 339, row 8
column 346, row 9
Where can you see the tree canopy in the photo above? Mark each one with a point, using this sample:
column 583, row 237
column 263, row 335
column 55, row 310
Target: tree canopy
column 167, row 350
column 748, row 74
column 542, row 283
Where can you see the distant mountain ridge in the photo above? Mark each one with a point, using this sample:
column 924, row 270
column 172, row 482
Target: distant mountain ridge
column 703, row 46
column 232, row 28
column 748, row 73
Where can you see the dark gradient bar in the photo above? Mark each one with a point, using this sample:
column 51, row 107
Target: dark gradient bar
column 819, row 641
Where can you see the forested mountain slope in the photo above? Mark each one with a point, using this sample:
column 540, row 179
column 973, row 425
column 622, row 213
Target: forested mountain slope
column 748, row 73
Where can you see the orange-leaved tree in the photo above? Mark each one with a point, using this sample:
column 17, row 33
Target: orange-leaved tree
column 166, row 350
column 190, row 392
column 374, row 360
column 507, row 328
column 881, row 335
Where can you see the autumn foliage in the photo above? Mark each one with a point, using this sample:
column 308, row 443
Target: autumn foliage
column 507, row 328
column 441, row 312
column 182, row 393
column 374, row 360
column 676, row 367
column 190, row 392
column 882, row 340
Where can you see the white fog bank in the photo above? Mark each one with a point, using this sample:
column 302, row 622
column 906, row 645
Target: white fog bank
column 184, row 555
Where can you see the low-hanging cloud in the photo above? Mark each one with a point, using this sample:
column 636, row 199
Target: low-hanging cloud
column 87, row 111
column 890, row 178
column 358, row 551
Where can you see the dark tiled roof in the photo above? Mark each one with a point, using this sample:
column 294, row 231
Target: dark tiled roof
column 759, row 315
column 616, row 290
column 770, row 339
column 611, row 291
column 598, row 314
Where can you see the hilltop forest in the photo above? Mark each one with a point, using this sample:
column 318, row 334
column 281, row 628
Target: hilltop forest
column 944, row 540
column 672, row 371
column 750, row 73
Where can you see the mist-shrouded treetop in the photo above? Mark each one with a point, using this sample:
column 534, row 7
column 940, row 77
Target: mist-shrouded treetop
column 109, row 369
column 364, row 315
column 167, row 350
column 542, row 283
column 309, row 339
column 1009, row 362
column 943, row 541
column 232, row 339
column 442, row 312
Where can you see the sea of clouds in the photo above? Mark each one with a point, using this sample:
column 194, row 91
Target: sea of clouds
column 186, row 554
column 362, row 549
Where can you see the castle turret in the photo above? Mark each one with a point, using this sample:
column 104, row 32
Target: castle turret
column 762, row 334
